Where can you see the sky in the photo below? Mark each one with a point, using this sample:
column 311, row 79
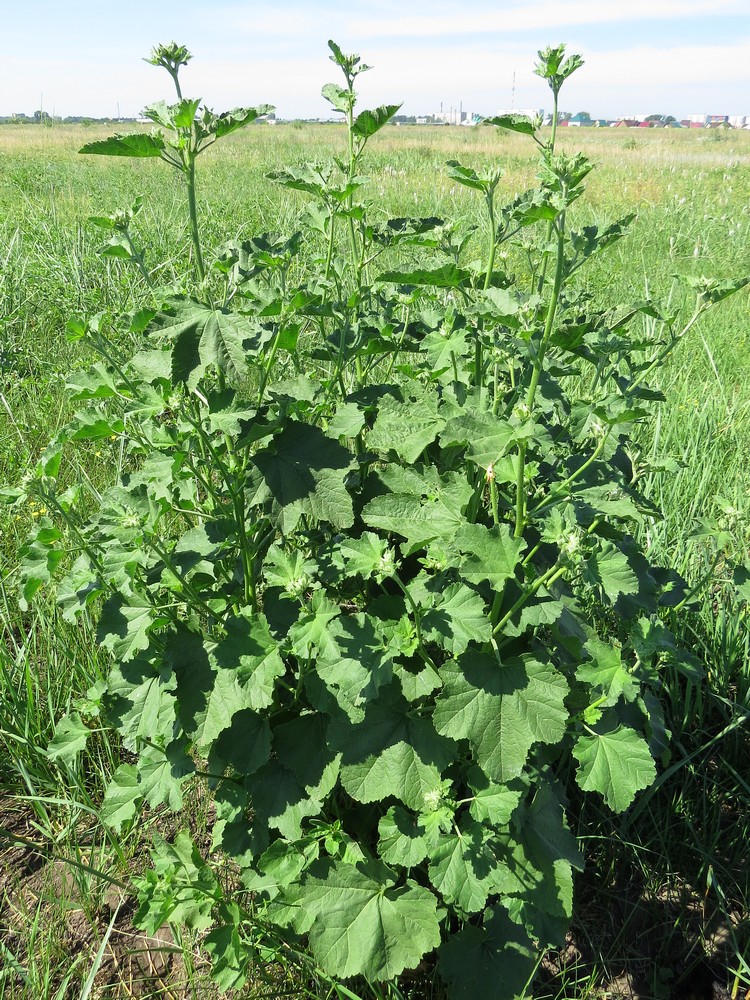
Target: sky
column 670, row 57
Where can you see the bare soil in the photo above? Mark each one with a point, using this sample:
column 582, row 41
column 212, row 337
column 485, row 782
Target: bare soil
column 75, row 917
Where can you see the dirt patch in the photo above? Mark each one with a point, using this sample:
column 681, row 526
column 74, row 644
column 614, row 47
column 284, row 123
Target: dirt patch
column 18, row 856
column 55, row 912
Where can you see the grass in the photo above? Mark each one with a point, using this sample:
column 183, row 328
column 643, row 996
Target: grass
column 666, row 898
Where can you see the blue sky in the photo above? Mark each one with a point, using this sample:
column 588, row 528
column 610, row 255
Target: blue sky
column 674, row 57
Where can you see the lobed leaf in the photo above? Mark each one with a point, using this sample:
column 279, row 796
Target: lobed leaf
column 616, row 763
column 501, row 709
column 367, row 123
column 364, row 925
column 513, row 123
column 139, row 144
column 490, row 962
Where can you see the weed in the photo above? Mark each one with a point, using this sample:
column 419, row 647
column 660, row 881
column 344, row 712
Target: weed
column 368, row 568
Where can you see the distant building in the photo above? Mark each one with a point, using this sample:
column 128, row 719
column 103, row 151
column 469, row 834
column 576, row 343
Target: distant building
column 453, row 117
column 706, row 121
column 581, row 120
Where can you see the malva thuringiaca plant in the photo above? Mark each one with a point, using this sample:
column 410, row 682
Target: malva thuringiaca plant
column 368, row 569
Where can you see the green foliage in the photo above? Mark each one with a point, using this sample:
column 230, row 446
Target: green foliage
column 386, row 609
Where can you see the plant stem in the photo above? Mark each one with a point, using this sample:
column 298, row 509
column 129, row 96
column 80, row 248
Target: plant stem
column 492, row 234
column 552, row 574
column 269, row 364
column 660, row 358
column 563, row 485
column 536, row 374
column 329, row 254
column 189, row 171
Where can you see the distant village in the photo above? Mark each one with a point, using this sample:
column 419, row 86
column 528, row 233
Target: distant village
column 453, row 116
column 581, row 120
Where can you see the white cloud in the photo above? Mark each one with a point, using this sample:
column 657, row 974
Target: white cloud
column 422, row 58
column 537, row 16
column 683, row 79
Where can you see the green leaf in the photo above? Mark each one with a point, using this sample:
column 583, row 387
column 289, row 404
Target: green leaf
column 443, row 347
column 493, row 803
column 230, row 121
column 405, row 426
column 153, row 366
column 40, row 556
column 513, row 123
column 503, row 304
column 284, row 862
column 140, row 702
column 304, row 472
column 244, row 744
column 467, row 176
column 502, row 709
column 347, row 421
column 69, row 740
column 291, row 570
column 364, row 925
column 713, row 290
column 447, row 276
column 461, row 865
column 161, row 774
column 280, row 800
column 741, row 580
column 615, row 762
column 89, row 427
column 340, row 98
column 184, row 113
column 138, row 144
column 491, row 962
column 457, row 617
column 311, row 632
column 612, row 571
column 545, row 832
column 417, row 520
column 250, row 649
column 229, row 957
column 302, row 746
column 490, row 554
column 122, row 798
column 367, row 123
column 401, row 841
column 227, row 697
column 124, row 625
column 364, row 556
column 486, row 436
column 181, row 889
column 204, row 337
column 543, row 899
column 432, row 509
column 352, row 667
column 536, row 859
column 607, row 674
column 392, row 752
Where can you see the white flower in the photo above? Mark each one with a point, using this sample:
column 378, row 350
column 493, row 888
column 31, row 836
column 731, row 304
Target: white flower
column 432, row 799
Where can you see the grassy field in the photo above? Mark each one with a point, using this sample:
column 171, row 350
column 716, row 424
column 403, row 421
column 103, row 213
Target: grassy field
column 664, row 906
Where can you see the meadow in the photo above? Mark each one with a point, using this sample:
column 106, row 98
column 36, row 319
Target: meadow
column 663, row 907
